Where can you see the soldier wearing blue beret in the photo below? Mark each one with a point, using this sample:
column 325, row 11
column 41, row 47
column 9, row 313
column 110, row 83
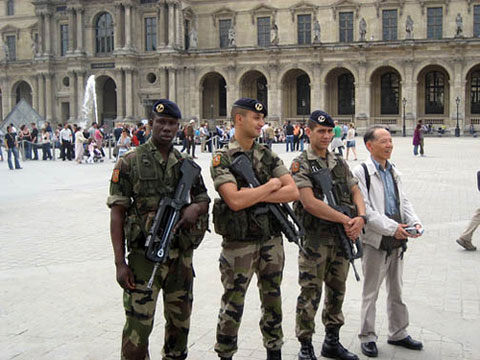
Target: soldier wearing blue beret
column 140, row 180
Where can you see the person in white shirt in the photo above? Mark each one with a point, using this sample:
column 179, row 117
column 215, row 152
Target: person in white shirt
column 66, row 143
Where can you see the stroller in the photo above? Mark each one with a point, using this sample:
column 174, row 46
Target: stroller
column 93, row 153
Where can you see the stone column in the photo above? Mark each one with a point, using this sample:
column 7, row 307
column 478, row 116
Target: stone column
column 41, row 95
column 362, row 94
column 120, row 96
column 315, row 88
column 172, row 84
column 35, row 92
column 80, row 30
column 6, row 98
column 117, row 41
column 458, row 90
column 274, row 95
column 49, row 97
column 41, row 35
column 129, row 93
column 409, row 92
column 178, row 27
column 47, row 39
column 171, row 25
column 160, row 25
column 80, row 92
column 73, row 95
column 71, row 28
column 128, row 26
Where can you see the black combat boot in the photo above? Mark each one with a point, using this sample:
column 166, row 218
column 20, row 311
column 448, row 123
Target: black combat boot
column 333, row 349
column 306, row 350
column 274, row 354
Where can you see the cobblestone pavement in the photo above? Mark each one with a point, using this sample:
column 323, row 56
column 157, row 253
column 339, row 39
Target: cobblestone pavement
column 59, row 298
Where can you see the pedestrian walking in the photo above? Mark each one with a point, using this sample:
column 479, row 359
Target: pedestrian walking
column 337, row 142
column 391, row 220
column 417, row 133
column 251, row 243
column 190, row 134
column 34, row 136
column 423, row 131
column 465, row 240
column 11, row 144
column 140, row 180
column 80, row 141
column 289, row 135
column 324, row 261
column 351, row 145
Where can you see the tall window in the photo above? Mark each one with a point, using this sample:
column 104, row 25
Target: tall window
column 390, row 90
column 475, row 93
column 63, row 39
column 10, row 8
column 389, row 22
column 434, row 92
column 222, row 97
column 12, row 47
column 304, row 29
column 104, row 34
column 263, row 31
column 346, row 26
column 303, row 95
column 434, row 23
column 187, row 34
column 224, row 26
column 476, row 20
column 346, row 94
column 150, row 34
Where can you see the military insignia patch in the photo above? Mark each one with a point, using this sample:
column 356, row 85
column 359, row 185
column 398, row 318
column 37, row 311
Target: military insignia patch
column 115, row 175
column 258, row 107
column 295, row 167
column 160, row 108
column 216, row 160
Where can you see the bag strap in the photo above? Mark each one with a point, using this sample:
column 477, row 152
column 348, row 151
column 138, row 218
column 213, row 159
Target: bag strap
column 367, row 176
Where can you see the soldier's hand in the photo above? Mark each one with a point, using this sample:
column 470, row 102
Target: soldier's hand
column 188, row 217
column 354, row 228
column 125, row 277
column 274, row 183
column 401, row 234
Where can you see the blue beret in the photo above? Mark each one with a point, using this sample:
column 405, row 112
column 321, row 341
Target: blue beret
column 252, row 105
column 164, row 107
column 322, row 118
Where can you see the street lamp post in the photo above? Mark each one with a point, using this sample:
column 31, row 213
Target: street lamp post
column 457, row 129
column 404, row 132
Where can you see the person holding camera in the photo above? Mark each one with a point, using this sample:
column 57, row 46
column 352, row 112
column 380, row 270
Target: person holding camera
column 391, row 219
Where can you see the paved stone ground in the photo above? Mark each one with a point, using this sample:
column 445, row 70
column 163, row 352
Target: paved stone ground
column 59, row 298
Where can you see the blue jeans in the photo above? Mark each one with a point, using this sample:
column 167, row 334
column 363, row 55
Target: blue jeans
column 301, row 144
column 15, row 155
column 415, row 150
column 289, row 140
column 28, row 150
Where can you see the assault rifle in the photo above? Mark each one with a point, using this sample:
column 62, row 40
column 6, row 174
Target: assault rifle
column 294, row 232
column 351, row 251
column 167, row 216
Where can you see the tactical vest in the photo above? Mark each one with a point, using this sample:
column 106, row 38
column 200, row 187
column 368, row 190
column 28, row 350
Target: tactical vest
column 255, row 223
column 318, row 229
column 148, row 189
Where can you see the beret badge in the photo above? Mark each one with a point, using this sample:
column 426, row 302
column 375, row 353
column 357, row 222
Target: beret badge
column 160, row 108
column 258, row 107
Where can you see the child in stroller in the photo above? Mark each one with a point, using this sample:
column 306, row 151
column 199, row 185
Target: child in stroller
column 93, row 153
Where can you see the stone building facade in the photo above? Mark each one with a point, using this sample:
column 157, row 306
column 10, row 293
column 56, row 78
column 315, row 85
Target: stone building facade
column 371, row 62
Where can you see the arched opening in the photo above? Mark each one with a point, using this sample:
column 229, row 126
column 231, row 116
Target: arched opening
column 22, row 90
column 433, row 94
column 106, row 90
column 340, row 95
column 214, row 96
column 386, row 94
column 472, row 98
column 296, row 95
column 254, row 85
column 104, row 34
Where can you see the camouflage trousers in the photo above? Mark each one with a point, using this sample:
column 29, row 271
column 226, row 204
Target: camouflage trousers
column 175, row 278
column 238, row 262
column 324, row 265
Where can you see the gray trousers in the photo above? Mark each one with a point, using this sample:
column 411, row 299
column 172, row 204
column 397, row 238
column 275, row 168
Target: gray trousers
column 472, row 226
column 375, row 270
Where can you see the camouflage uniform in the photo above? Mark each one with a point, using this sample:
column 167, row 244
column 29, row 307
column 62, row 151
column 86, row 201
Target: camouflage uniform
column 325, row 262
column 140, row 179
column 251, row 245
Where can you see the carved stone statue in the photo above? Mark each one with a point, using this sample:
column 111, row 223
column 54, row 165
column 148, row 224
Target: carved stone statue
column 34, row 47
column 409, row 27
column 193, row 38
column 458, row 26
column 363, row 29
column 274, row 34
column 316, row 32
column 6, row 52
column 231, row 37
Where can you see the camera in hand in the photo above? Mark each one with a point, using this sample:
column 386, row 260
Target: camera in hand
column 412, row 230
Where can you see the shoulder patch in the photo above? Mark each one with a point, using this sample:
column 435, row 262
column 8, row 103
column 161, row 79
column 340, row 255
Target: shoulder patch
column 216, row 160
column 295, row 167
column 115, row 175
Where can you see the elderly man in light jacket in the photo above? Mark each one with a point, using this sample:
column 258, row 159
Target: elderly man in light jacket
column 389, row 213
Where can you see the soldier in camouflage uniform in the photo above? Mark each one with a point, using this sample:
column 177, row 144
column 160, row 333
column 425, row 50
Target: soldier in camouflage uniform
column 325, row 263
column 141, row 178
column 252, row 243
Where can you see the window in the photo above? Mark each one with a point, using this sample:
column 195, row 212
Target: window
column 304, row 29
column 11, row 48
column 475, row 93
column 434, row 23
column 263, row 31
column 389, row 25
column 187, row 34
column 63, row 39
column 346, row 26
column 150, row 34
column 224, row 26
column 476, row 20
column 390, row 90
column 222, row 97
column 434, row 92
column 346, row 94
column 303, row 95
column 10, row 8
column 104, row 34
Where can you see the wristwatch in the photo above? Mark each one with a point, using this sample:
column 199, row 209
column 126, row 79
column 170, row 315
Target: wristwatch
column 364, row 217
